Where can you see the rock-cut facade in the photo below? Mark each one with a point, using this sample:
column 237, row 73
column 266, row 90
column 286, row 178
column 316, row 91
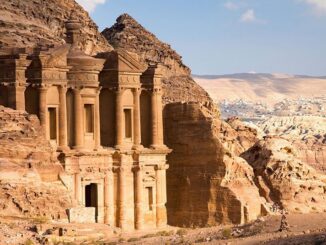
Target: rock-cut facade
column 103, row 115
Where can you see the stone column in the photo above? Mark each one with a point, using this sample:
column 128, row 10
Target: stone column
column 155, row 141
column 16, row 99
column 122, row 193
column 119, row 119
column 63, row 141
column 161, row 216
column 100, row 203
column 97, row 127
column 79, row 126
column 137, row 123
column 78, row 189
column 109, row 198
column 139, row 215
column 43, row 107
column 160, row 119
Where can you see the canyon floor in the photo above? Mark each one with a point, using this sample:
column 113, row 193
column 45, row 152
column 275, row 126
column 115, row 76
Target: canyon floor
column 262, row 231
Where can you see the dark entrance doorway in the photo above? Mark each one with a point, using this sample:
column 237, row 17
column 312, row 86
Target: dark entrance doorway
column 91, row 197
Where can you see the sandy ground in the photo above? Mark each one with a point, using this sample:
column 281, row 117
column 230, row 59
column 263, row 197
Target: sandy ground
column 303, row 229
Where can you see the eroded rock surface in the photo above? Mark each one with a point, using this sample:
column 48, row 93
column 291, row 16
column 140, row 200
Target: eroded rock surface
column 38, row 22
column 306, row 133
column 29, row 171
column 285, row 180
column 207, row 183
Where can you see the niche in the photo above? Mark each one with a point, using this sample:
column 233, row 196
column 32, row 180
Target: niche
column 128, row 123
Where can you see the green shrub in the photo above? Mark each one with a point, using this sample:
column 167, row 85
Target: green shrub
column 182, row 232
column 134, row 239
column 165, row 233
column 29, row 242
column 227, row 233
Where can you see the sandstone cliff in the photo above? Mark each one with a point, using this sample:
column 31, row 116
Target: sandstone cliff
column 283, row 179
column 128, row 34
column 39, row 22
column 29, row 171
column 207, row 183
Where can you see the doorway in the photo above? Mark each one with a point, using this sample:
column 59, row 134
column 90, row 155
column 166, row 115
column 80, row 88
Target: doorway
column 91, row 198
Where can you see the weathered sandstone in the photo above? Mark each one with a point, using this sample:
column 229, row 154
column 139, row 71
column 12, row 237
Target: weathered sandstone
column 306, row 133
column 285, row 180
column 42, row 23
column 207, row 183
column 29, row 171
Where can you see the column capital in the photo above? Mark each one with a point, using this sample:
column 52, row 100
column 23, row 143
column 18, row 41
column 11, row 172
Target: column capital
column 43, row 87
column 137, row 168
column 77, row 88
column 63, row 86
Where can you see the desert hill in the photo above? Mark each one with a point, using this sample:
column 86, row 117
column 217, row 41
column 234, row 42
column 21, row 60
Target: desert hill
column 268, row 88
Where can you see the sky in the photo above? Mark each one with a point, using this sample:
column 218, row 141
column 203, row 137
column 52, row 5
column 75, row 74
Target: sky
column 231, row 36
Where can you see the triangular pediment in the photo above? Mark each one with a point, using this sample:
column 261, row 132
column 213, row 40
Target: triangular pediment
column 123, row 61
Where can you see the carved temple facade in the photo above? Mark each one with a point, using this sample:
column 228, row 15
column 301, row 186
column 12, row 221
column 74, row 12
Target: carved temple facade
column 103, row 114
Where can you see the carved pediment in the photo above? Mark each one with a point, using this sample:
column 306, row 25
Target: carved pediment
column 56, row 57
column 123, row 61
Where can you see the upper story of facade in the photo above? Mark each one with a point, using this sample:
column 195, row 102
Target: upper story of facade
column 86, row 103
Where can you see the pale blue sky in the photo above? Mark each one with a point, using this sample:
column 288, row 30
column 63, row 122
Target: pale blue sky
column 231, row 36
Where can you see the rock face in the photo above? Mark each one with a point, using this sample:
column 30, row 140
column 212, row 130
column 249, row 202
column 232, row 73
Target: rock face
column 22, row 144
column 29, row 171
column 129, row 35
column 206, row 182
column 306, row 133
column 33, row 23
column 283, row 179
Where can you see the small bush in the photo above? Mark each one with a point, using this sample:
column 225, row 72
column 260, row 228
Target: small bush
column 29, row 242
column 200, row 240
column 111, row 243
column 227, row 233
column 182, row 232
column 134, row 239
column 122, row 240
column 149, row 236
column 165, row 233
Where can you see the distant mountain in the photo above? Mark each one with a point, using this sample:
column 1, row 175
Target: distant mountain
column 261, row 87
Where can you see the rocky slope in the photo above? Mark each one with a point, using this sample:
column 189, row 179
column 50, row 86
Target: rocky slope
column 283, row 179
column 38, row 22
column 128, row 34
column 29, row 171
column 306, row 133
